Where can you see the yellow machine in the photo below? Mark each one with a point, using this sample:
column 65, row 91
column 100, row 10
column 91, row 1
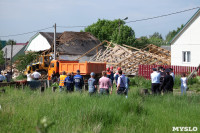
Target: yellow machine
column 42, row 65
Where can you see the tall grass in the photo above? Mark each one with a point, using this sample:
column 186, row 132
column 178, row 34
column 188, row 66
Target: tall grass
column 77, row 113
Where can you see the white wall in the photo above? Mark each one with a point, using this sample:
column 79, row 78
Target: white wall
column 191, row 34
column 39, row 43
column 176, row 54
column 73, row 57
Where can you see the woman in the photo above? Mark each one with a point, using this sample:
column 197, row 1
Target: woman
column 183, row 83
column 29, row 78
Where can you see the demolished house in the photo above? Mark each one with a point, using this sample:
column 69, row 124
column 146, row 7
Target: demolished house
column 129, row 58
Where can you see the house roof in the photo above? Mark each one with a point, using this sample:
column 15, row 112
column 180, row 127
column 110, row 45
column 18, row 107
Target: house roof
column 16, row 49
column 191, row 20
column 166, row 47
column 76, row 43
column 48, row 35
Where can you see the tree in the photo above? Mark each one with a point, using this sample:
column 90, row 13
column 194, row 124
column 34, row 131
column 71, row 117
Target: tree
column 172, row 34
column 24, row 60
column 1, row 57
column 141, row 42
column 109, row 30
column 156, row 39
column 9, row 42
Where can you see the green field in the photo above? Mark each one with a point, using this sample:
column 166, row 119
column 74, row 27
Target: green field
column 22, row 110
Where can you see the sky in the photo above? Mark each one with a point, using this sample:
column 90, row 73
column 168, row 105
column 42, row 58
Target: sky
column 22, row 16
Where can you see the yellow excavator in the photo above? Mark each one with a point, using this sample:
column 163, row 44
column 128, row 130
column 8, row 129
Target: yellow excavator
column 41, row 65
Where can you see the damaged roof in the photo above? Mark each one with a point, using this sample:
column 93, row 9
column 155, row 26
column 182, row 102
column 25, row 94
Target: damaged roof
column 76, row 43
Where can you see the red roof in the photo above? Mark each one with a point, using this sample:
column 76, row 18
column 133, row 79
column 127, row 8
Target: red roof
column 22, row 43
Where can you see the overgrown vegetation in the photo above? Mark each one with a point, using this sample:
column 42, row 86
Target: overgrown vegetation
column 24, row 111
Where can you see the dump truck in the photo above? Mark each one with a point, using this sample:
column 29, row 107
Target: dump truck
column 72, row 66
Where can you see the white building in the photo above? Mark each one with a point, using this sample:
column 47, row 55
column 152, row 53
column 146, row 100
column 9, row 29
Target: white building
column 41, row 41
column 185, row 46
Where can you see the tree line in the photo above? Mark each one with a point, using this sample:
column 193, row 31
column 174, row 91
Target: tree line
column 117, row 32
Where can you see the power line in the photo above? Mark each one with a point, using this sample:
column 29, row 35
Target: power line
column 28, row 32
column 144, row 19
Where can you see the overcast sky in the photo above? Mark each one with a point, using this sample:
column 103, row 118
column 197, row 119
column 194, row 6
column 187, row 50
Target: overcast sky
column 20, row 16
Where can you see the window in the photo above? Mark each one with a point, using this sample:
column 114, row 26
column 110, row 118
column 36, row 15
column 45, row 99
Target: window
column 52, row 64
column 186, row 56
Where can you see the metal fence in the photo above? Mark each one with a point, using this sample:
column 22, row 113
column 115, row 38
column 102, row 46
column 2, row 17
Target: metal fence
column 146, row 70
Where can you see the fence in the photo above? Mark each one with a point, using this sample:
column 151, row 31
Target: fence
column 146, row 70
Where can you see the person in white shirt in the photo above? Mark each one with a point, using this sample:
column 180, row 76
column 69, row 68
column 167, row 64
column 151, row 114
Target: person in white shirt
column 29, row 78
column 36, row 75
column 155, row 82
column 183, row 83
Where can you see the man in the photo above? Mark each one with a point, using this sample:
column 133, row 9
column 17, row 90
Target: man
column 168, row 82
column 69, row 83
column 127, row 82
column 104, row 84
column 116, row 75
column 121, row 83
column 8, row 76
column 36, row 75
column 62, row 80
column 155, row 81
column 2, row 78
column 111, row 74
column 172, row 73
column 162, row 76
column 79, row 82
column 92, row 84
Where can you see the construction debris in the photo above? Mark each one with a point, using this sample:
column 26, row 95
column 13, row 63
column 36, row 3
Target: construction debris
column 129, row 58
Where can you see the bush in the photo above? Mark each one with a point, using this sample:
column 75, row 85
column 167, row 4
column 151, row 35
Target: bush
column 21, row 77
column 140, row 82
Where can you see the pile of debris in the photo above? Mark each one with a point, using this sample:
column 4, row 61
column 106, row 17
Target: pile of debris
column 129, row 58
column 15, row 74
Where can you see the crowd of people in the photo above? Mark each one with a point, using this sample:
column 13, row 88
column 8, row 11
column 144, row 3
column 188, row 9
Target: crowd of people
column 163, row 81
column 5, row 77
column 104, row 85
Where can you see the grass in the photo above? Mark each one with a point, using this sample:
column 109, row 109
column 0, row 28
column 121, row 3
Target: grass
column 78, row 113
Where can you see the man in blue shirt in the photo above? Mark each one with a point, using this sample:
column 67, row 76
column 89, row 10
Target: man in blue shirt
column 78, row 80
column 2, row 78
column 155, row 81
column 92, row 84
column 69, row 82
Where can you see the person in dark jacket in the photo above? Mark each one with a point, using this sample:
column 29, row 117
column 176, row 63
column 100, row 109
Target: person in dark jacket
column 69, row 83
column 162, row 76
column 168, row 82
column 78, row 80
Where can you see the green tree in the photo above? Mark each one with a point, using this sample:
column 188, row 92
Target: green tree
column 156, row 39
column 172, row 34
column 109, row 30
column 141, row 42
column 9, row 42
column 24, row 60
column 1, row 57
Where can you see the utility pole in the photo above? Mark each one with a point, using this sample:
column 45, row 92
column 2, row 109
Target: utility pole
column 11, row 72
column 5, row 57
column 55, row 41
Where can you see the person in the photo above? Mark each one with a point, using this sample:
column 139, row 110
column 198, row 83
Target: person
column 54, row 77
column 62, row 80
column 72, row 75
column 155, row 81
column 104, row 84
column 111, row 74
column 92, row 84
column 116, row 75
column 108, row 72
column 69, row 83
column 127, row 82
column 183, row 83
column 172, row 73
column 121, row 82
column 2, row 78
column 162, row 75
column 168, row 82
column 78, row 81
column 36, row 75
column 29, row 78
column 8, row 76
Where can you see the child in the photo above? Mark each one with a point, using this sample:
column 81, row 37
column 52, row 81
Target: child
column 183, row 83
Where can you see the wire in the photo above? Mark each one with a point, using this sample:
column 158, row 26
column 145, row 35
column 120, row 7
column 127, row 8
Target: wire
column 144, row 19
column 27, row 32
column 71, row 26
column 162, row 15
